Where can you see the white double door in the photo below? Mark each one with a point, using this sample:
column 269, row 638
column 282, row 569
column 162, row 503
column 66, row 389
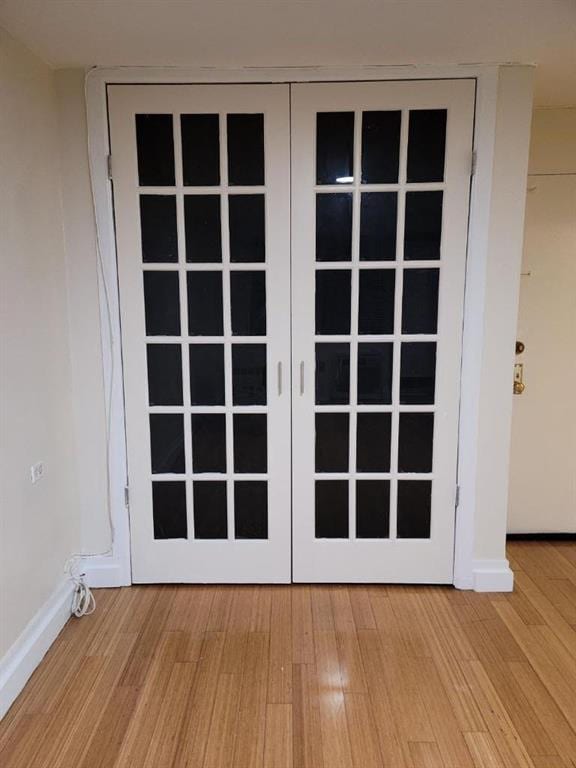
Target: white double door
column 291, row 269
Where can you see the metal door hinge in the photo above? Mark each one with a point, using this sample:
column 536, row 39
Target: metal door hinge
column 126, row 496
column 109, row 166
column 457, row 502
column 473, row 162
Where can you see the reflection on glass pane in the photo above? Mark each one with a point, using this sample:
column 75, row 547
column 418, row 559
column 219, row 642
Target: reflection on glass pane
column 374, row 373
column 332, row 301
column 332, row 374
column 155, row 142
column 207, row 374
column 415, row 442
column 158, row 228
column 332, row 445
column 333, row 227
column 251, row 509
column 245, row 149
column 164, row 363
column 200, row 150
column 414, row 507
column 167, row 442
column 426, row 145
column 423, row 226
column 372, row 509
column 378, row 226
column 208, row 442
column 331, row 509
column 373, row 442
column 205, row 317
column 420, row 301
column 169, row 510
column 210, row 509
column 203, row 230
column 334, row 147
column 249, row 374
column 380, row 147
column 248, row 298
column 418, row 373
column 247, row 228
column 376, row 308
column 250, row 442
column 161, row 303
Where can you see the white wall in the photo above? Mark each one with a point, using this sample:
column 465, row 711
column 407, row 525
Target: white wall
column 40, row 525
column 543, row 457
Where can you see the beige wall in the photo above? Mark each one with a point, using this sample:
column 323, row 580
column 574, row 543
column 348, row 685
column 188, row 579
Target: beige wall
column 543, row 458
column 40, row 525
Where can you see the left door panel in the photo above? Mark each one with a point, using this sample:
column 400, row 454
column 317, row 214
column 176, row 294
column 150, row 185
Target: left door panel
column 201, row 199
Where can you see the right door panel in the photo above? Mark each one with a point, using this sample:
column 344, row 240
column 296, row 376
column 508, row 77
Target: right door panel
column 380, row 190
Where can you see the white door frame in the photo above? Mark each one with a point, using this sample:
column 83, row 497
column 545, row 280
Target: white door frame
column 501, row 138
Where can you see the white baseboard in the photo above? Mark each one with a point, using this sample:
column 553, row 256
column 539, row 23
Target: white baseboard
column 492, row 576
column 28, row 651
column 105, row 572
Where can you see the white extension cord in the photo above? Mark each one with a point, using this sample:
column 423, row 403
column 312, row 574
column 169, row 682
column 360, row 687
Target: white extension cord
column 83, row 600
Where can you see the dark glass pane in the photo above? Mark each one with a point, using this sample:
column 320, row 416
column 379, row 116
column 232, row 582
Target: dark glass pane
column 332, row 444
column 169, row 510
column 208, row 442
column 415, row 442
column 158, row 228
column 334, row 147
column 251, row 509
column 250, row 442
column 210, row 509
column 247, row 228
column 423, row 226
column 205, row 314
column 374, row 373
column 162, row 303
column 245, row 149
column 418, row 373
column 207, row 374
column 167, row 442
column 376, row 308
column 331, row 509
column 200, row 150
column 332, row 301
column 380, row 147
column 372, row 509
column 248, row 299
column 203, row 230
column 426, row 145
column 373, row 442
column 155, row 142
column 378, row 226
column 420, row 301
column 249, row 374
column 414, row 505
column 334, row 227
column 164, row 374
column 332, row 374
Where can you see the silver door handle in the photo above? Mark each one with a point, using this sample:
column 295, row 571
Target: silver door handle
column 302, row 377
column 279, row 378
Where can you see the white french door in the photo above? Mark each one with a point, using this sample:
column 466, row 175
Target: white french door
column 380, row 187
column 201, row 195
column 291, row 271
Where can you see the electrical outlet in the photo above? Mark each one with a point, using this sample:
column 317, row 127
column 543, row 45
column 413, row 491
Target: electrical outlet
column 37, row 472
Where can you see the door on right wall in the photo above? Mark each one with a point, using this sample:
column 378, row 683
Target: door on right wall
column 380, row 192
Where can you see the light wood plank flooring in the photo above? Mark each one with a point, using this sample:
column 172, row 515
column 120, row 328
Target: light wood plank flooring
column 312, row 677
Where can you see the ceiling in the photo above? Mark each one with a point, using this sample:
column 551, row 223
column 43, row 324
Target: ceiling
column 234, row 33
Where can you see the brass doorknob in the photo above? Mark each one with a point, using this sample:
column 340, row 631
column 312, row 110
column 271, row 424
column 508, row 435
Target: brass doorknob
column 519, row 387
column 520, row 347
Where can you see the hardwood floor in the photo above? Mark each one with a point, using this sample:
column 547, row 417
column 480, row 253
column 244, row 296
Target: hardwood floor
column 312, row 677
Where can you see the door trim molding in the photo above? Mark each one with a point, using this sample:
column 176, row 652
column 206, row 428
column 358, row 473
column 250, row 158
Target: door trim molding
column 485, row 352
